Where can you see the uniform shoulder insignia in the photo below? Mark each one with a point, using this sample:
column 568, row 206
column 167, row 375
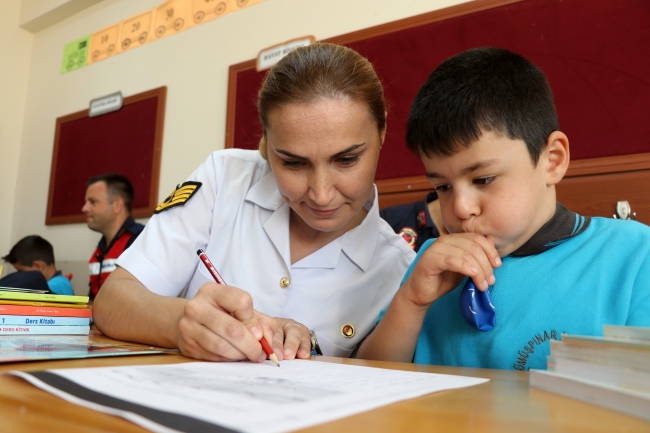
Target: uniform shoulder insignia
column 180, row 196
column 409, row 235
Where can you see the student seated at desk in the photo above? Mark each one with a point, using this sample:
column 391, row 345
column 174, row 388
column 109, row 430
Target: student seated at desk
column 33, row 253
column 295, row 228
column 485, row 126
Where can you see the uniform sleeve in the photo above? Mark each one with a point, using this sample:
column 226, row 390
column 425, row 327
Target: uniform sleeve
column 163, row 257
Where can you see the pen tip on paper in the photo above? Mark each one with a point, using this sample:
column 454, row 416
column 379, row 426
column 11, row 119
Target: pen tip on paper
column 273, row 357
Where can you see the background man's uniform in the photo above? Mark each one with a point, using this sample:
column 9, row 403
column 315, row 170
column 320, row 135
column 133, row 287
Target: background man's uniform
column 102, row 262
column 412, row 221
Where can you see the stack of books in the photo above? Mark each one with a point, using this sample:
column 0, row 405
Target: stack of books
column 611, row 371
column 24, row 311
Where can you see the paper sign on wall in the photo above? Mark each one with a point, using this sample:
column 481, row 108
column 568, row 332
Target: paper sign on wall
column 207, row 10
column 272, row 55
column 241, row 4
column 171, row 17
column 75, row 54
column 136, row 31
column 104, row 43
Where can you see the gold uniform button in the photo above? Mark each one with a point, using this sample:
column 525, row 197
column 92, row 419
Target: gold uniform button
column 347, row 330
column 284, row 282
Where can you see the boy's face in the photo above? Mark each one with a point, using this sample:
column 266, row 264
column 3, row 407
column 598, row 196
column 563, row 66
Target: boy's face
column 493, row 188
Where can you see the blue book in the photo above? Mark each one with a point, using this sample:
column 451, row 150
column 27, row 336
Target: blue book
column 44, row 320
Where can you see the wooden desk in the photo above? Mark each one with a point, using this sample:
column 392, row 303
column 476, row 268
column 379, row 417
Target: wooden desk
column 504, row 404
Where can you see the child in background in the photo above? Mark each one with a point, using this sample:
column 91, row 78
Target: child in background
column 485, row 126
column 33, row 253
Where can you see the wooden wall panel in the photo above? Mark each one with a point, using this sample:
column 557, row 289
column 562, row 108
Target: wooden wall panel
column 591, row 186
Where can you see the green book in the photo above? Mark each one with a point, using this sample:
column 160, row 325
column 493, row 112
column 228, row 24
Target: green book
column 46, row 297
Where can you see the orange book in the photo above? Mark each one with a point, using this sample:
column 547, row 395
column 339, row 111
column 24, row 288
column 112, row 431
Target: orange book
column 23, row 310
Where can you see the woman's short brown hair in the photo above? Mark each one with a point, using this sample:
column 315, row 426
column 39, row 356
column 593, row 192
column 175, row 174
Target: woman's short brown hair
column 321, row 71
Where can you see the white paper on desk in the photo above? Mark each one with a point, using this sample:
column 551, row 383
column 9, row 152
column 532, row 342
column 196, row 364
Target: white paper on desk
column 245, row 396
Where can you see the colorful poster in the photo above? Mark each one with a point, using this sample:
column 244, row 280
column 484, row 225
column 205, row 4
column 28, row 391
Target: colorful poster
column 207, row 10
column 136, row 31
column 75, row 56
column 104, row 43
column 171, row 18
column 241, row 4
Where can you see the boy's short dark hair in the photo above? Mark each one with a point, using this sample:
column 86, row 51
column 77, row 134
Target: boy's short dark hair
column 481, row 90
column 117, row 185
column 30, row 249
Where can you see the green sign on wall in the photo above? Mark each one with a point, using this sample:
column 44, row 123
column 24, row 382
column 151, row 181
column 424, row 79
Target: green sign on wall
column 75, row 54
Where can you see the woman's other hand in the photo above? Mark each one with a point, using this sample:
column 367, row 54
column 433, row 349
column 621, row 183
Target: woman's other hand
column 291, row 340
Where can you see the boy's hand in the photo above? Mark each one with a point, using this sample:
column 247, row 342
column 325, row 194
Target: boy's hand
column 443, row 265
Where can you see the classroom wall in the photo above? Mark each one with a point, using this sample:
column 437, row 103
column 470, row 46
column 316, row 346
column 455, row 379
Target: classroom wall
column 15, row 53
column 194, row 67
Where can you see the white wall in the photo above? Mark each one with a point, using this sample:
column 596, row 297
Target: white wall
column 194, row 67
column 36, row 15
column 15, row 52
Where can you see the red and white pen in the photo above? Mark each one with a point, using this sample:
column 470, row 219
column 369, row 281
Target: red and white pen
column 219, row 279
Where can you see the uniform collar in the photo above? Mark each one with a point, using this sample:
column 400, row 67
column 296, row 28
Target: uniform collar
column 357, row 244
column 360, row 243
column 265, row 192
column 561, row 227
column 127, row 226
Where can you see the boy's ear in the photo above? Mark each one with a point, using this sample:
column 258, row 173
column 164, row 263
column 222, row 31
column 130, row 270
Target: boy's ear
column 556, row 156
column 40, row 265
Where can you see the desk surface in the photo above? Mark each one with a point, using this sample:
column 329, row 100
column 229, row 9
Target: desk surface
column 504, row 404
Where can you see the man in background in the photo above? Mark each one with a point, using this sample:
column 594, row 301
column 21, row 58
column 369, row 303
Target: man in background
column 416, row 222
column 108, row 211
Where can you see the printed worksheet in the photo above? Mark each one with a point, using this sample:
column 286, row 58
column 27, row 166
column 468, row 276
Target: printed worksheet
column 238, row 396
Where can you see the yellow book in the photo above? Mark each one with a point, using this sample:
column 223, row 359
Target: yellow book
column 46, row 297
column 42, row 304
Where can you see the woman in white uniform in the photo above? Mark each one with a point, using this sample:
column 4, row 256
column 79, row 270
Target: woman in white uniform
column 294, row 229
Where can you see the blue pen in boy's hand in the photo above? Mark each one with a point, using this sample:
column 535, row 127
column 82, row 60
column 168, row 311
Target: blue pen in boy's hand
column 476, row 307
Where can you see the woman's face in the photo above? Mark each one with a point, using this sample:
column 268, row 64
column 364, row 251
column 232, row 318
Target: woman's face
column 324, row 156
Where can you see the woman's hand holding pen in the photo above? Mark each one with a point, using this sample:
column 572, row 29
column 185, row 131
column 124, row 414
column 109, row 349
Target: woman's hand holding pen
column 220, row 324
column 291, row 340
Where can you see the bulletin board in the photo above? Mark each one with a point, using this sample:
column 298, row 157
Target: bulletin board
column 595, row 54
column 127, row 141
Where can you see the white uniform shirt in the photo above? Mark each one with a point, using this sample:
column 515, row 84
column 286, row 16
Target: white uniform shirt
column 239, row 218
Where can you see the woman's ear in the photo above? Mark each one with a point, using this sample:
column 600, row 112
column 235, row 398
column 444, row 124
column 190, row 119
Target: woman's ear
column 382, row 134
column 556, row 155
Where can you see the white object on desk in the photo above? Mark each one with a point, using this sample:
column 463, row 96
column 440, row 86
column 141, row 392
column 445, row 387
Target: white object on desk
column 241, row 396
